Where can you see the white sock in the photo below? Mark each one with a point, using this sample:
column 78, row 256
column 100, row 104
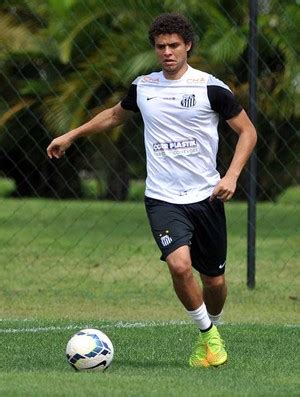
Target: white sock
column 200, row 317
column 215, row 318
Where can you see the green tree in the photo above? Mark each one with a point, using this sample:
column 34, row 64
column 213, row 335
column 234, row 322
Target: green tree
column 29, row 68
column 72, row 58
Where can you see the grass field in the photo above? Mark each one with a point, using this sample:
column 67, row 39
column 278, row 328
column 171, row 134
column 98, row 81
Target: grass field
column 67, row 265
column 150, row 360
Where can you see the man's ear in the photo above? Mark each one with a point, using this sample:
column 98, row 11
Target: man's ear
column 188, row 46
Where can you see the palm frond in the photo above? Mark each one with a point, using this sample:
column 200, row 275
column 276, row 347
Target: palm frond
column 68, row 43
column 139, row 64
column 17, row 38
column 69, row 108
column 225, row 48
column 14, row 110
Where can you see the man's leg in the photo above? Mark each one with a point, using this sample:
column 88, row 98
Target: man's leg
column 209, row 348
column 185, row 285
column 214, row 295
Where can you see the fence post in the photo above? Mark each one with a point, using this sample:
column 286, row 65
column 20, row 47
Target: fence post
column 252, row 167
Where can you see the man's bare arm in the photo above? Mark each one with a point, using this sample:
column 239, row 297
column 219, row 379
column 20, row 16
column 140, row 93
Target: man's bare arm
column 105, row 120
column 242, row 125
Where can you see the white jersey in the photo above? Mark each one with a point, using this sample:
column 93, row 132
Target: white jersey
column 180, row 132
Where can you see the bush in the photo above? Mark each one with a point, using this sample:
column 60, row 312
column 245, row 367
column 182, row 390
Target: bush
column 7, row 186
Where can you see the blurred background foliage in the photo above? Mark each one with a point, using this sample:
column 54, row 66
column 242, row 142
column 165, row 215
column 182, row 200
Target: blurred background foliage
column 62, row 61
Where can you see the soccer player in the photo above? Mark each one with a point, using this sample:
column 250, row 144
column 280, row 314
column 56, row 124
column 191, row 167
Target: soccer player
column 185, row 195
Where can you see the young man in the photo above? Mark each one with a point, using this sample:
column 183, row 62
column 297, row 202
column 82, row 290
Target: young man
column 184, row 194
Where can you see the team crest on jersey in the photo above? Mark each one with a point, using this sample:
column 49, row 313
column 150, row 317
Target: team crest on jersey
column 165, row 238
column 188, row 101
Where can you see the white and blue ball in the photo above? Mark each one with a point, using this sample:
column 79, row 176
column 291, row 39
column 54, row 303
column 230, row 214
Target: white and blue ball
column 90, row 349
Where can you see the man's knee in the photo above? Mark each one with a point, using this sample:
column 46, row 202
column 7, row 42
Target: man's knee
column 179, row 263
column 211, row 282
column 180, row 269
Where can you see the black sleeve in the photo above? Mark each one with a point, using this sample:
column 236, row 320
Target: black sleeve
column 129, row 102
column 223, row 101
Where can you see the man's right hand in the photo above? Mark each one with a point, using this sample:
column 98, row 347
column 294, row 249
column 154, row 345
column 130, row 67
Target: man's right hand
column 58, row 146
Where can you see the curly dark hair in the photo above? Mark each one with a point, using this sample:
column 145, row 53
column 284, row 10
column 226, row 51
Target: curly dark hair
column 169, row 23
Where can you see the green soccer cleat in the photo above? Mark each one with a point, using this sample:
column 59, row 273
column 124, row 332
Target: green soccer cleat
column 215, row 347
column 198, row 357
column 209, row 350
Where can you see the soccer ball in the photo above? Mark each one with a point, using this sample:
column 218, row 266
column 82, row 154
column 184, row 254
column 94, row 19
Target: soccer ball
column 90, row 349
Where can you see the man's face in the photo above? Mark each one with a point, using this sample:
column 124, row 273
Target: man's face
column 171, row 51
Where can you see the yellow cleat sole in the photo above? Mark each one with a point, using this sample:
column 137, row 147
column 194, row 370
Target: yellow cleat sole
column 199, row 364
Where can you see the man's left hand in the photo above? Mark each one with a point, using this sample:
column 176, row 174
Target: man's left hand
column 225, row 189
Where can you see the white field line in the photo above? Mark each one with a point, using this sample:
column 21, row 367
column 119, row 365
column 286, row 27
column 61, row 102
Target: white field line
column 120, row 324
column 23, row 320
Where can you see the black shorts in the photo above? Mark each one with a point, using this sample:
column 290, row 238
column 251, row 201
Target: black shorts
column 202, row 226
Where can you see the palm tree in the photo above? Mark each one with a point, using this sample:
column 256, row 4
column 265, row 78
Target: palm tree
column 104, row 50
column 278, row 79
column 82, row 55
column 28, row 70
column 75, row 65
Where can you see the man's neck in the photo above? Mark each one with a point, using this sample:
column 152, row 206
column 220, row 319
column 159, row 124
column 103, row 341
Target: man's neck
column 169, row 75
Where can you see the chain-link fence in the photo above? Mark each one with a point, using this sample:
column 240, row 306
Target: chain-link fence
column 61, row 62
